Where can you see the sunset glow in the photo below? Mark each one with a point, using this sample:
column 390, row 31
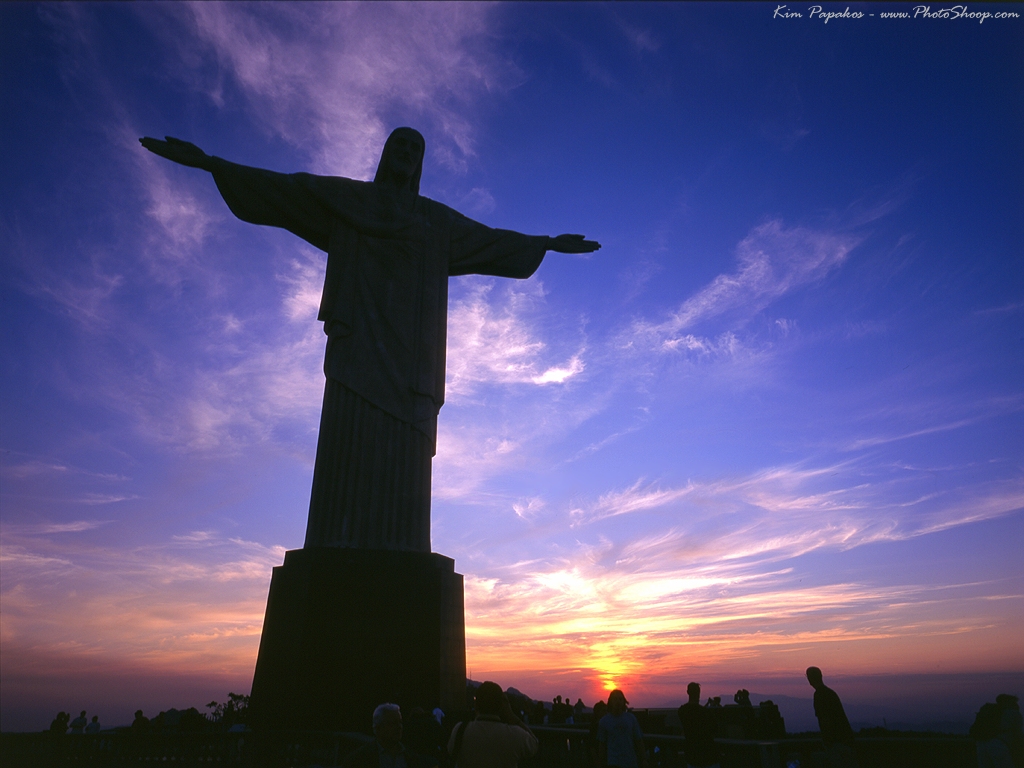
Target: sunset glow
column 777, row 420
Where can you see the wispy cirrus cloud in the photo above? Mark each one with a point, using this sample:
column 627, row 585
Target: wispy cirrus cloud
column 623, row 622
column 329, row 80
column 787, row 511
column 338, row 73
column 638, row 497
column 773, row 260
column 43, row 529
column 196, row 599
column 491, row 340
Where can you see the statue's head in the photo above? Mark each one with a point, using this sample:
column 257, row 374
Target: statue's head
column 401, row 161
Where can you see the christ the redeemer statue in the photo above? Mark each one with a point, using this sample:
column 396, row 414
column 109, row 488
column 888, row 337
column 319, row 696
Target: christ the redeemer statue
column 390, row 253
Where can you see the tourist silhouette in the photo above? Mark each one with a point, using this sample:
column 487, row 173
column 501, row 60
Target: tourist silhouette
column 386, row 750
column 59, row 726
column 620, row 741
column 997, row 733
column 495, row 738
column 79, row 723
column 836, row 732
column 699, row 729
column 141, row 723
column 593, row 748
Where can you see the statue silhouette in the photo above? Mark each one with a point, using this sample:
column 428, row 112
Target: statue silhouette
column 384, row 308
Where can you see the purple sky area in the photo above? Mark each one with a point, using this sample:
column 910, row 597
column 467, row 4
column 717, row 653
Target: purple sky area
column 775, row 421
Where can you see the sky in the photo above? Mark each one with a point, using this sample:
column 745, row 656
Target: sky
column 777, row 420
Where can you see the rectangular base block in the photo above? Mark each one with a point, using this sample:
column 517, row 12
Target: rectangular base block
column 348, row 629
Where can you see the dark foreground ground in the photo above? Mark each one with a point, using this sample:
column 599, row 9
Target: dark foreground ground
column 561, row 747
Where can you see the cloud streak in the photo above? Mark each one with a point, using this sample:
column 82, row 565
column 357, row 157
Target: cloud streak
column 773, row 260
column 338, row 72
column 195, row 600
column 491, row 340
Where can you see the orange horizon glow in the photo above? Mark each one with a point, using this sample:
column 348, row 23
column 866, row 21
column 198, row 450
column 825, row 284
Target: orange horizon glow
column 568, row 625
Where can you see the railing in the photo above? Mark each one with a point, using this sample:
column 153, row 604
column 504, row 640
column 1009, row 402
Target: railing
column 560, row 747
column 571, row 748
column 283, row 749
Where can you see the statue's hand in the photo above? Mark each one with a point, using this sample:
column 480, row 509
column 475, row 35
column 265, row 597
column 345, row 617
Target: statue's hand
column 181, row 152
column 572, row 244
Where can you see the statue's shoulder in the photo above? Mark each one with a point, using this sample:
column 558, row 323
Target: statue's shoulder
column 440, row 212
column 334, row 183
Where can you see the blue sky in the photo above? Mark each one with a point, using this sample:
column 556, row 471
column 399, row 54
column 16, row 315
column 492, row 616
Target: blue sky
column 775, row 421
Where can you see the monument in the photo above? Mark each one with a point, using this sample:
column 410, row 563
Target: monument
column 365, row 612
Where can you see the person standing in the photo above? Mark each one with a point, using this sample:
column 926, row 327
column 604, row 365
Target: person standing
column 1010, row 727
column 593, row 748
column 59, row 726
column 835, row 728
column 620, row 742
column 79, row 723
column 496, row 738
column 699, row 728
column 997, row 732
column 386, row 750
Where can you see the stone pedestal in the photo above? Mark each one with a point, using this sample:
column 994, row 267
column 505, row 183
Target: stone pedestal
column 348, row 629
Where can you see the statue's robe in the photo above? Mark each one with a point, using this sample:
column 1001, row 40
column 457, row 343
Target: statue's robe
column 385, row 311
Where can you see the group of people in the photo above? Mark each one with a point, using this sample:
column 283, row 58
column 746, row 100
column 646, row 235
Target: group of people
column 620, row 741
column 497, row 738
column 80, row 725
column 562, row 712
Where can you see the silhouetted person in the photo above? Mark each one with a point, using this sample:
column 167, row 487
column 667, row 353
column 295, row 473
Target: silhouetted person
column 699, row 728
column 424, row 736
column 496, row 738
column 742, row 697
column 140, row 724
column 836, row 732
column 59, row 726
column 620, row 741
column 1010, row 727
column 94, row 726
column 557, row 717
column 997, row 732
column 384, row 308
column 79, row 723
column 386, row 750
column 600, row 710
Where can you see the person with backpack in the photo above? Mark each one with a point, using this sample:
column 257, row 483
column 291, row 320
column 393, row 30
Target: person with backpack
column 496, row 738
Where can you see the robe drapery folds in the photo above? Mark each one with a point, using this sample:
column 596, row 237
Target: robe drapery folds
column 385, row 312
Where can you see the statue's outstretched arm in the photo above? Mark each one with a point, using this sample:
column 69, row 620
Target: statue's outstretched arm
column 572, row 244
column 178, row 151
column 291, row 201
